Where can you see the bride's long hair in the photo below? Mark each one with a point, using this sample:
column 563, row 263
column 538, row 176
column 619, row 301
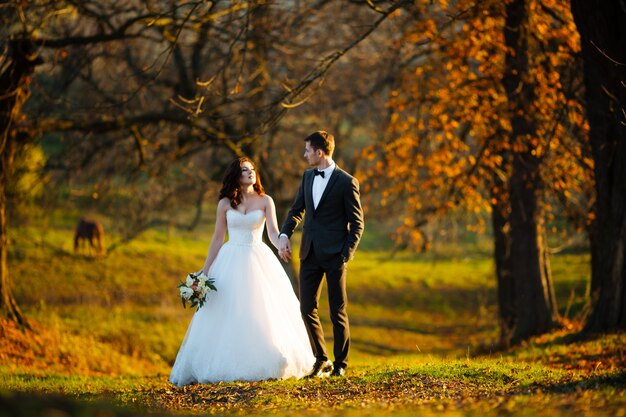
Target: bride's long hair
column 231, row 187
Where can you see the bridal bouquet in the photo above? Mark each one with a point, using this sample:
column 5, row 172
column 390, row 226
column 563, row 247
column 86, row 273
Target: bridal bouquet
column 195, row 289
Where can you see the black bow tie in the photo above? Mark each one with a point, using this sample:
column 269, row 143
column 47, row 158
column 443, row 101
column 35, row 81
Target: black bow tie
column 318, row 172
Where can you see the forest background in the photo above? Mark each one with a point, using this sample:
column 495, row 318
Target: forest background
column 489, row 138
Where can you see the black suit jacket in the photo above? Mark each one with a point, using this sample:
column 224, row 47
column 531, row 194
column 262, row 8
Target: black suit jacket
column 336, row 226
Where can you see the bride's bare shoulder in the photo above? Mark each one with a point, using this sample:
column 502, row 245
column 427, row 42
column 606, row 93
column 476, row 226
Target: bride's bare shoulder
column 268, row 200
column 223, row 204
column 267, row 203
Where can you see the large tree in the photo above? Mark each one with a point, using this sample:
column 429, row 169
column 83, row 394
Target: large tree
column 15, row 73
column 487, row 119
column 528, row 279
column 602, row 27
column 141, row 103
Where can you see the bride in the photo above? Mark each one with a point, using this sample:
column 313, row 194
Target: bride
column 249, row 329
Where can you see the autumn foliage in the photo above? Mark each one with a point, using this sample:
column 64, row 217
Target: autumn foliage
column 488, row 118
column 449, row 125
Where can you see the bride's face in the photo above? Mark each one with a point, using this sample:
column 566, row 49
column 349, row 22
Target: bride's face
column 248, row 174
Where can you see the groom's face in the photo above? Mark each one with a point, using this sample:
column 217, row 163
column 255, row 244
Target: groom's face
column 312, row 155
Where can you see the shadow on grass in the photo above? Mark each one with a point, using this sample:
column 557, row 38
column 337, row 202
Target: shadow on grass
column 615, row 380
column 36, row 405
column 584, row 353
column 18, row 251
column 446, row 300
column 381, row 349
column 422, row 329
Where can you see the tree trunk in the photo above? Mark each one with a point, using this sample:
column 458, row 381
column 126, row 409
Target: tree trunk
column 502, row 256
column 534, row 305
column 8, row 305
column 602, row 27
column 13, row 93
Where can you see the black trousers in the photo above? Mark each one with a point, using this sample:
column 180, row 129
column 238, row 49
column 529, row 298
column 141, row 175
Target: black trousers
column 312, row 271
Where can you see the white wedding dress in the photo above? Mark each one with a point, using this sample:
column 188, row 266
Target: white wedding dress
column 250, row 329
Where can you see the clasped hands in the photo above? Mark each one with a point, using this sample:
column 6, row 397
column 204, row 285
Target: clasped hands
column 284, row 248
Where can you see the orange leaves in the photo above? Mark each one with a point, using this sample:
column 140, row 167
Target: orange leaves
column 450, row 118
column 541, row 29
column 429, row 29
column 50, row 347
column 554, row 79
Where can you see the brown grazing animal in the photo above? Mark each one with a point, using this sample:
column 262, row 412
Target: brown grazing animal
column 89, row 230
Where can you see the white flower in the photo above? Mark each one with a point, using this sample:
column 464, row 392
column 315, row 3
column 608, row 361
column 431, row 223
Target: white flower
column 189, row 281
column 186, row 292
column 202, row 283
column 203, row 291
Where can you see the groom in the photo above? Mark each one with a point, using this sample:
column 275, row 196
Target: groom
column 333, row 226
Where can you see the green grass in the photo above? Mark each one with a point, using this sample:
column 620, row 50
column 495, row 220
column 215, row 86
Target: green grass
column 423, row 335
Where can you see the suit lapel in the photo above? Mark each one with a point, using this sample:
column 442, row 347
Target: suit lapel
column 331, row 182
column 308, row 192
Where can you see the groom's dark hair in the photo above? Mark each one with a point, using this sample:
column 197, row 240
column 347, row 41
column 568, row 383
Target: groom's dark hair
column 322, row 140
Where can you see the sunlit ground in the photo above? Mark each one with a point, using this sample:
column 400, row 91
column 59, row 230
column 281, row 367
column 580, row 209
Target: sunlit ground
column 423, row 339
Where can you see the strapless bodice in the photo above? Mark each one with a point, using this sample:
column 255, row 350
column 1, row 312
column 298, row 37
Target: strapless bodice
column 245, row 229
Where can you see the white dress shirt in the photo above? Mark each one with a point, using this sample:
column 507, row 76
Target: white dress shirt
column 319, row 183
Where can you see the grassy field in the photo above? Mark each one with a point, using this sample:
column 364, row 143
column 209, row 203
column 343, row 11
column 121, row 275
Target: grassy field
column 423, row 339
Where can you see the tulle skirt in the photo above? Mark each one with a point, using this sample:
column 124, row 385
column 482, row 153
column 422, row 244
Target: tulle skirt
column 250, row 329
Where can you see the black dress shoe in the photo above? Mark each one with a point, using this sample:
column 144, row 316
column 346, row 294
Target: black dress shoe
column 320, row 369
column 338, row 371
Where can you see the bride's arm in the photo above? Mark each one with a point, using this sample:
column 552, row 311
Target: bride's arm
column 272, row 223
column 218, row 235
